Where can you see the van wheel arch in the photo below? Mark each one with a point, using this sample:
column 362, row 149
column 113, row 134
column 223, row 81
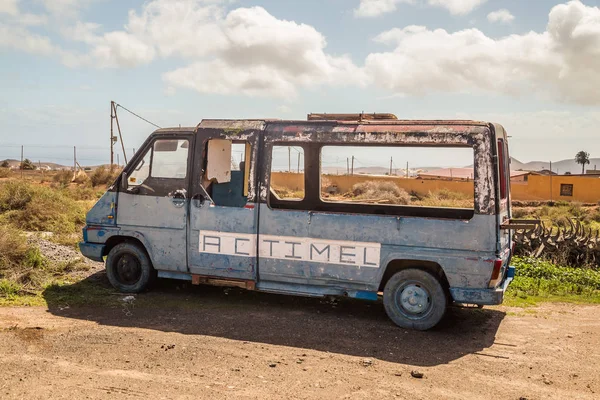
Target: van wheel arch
column 433, row 268
column 116, row 240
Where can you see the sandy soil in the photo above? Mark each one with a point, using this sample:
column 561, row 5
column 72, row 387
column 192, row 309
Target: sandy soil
column 210, row 343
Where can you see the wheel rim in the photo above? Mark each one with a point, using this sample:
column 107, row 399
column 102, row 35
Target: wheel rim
column 413, row 300
column 129, row 269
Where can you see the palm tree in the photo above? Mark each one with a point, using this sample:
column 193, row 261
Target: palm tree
column 583, row 157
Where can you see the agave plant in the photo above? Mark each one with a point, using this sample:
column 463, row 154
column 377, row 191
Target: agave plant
column 568, row 243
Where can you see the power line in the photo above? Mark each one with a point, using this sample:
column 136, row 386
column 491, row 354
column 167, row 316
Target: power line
column 142, row 118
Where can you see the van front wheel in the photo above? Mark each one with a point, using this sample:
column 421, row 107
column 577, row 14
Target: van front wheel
column 128, row 268
column 414, row 299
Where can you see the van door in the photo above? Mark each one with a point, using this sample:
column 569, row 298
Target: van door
column 153, row 207
column 223, row 216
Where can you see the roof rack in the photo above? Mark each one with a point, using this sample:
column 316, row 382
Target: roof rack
column 350, row 117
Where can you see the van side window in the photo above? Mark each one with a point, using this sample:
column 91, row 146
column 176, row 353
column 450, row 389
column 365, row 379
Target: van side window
column 141, row 172
column 170, row 159
column 287, row 173
column 234, row 193
column 436, row 177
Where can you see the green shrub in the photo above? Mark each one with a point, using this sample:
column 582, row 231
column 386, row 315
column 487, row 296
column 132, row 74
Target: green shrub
column 536, row 277
column 9, row 288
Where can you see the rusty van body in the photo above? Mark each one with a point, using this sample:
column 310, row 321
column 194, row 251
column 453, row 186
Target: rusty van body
column 180, row 211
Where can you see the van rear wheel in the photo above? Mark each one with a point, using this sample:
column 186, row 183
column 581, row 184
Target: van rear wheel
column 128, row 268
column 414, row 299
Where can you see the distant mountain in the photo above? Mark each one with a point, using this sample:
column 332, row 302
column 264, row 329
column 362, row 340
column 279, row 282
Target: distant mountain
column 559, row 167
column 15, row 164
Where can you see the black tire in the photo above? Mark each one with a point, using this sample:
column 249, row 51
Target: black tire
column 414, row 299
column 129, row 268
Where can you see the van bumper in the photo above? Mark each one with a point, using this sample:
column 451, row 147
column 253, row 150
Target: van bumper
column 484, row 297
column 93, row 251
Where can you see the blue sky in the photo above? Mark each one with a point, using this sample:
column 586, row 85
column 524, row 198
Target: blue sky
column 534, row 67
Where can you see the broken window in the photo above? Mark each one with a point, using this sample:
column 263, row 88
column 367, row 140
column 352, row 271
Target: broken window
column 228, row 172
column 287, row 173
column 380, row 176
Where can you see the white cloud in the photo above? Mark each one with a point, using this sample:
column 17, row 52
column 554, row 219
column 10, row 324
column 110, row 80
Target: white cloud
column 503, row 16
column 9, row 7
column 264, row 56
column 374, row 8
column 457, row 7
column 65, row 8
column 187, row 28
column 561, row 63
column 18, row 38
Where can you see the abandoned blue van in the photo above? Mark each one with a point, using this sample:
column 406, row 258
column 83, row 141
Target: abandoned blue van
column 261, row 204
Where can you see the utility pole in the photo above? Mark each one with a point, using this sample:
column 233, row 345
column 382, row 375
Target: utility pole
column 347, row 166
column 298, row 162
column 407, row 169
column 289, row 159
column 391, row 162
column 21, row 161
column 550, row 181
column 352, row 170
column 74, row 159
column 118, row 162
column 112, row 136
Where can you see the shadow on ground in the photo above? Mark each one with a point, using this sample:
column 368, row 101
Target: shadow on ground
column 346, row 326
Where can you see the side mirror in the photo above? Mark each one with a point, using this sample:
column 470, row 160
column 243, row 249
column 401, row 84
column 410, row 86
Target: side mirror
column 124, row 183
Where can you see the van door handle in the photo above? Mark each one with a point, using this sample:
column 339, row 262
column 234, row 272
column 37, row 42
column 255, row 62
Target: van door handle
column 178, row 197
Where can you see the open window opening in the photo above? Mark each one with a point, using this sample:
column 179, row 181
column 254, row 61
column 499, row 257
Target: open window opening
column 286, row 182
column 438, row 177
column 227, row 172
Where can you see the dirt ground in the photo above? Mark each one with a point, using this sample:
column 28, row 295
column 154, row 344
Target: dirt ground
column 213, row 343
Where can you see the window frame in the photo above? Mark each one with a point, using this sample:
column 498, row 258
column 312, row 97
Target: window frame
column 187, row 162
column 246, row 179
column 315, row 204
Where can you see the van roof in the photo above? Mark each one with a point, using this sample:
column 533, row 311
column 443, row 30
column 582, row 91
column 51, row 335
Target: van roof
column 365, row 124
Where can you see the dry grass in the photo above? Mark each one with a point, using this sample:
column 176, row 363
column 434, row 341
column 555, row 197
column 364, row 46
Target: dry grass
column 447, row 199
column 63, row 177
column 104, row 176
column 39, row 208
column 380, row 192
column 287, row 193
column 5, row 172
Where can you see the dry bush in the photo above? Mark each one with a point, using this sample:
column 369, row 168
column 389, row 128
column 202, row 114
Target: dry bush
column 287, row 193
column 38, row 208
column 81, row 178
column 15, row 195
column 380, row 192
column 63, row 177
column 104, row 176
column 13, row 247
column 447, row 199
column 5, row 172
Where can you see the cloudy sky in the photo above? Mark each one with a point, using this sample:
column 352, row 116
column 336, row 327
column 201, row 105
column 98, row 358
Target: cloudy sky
column 533, row 66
